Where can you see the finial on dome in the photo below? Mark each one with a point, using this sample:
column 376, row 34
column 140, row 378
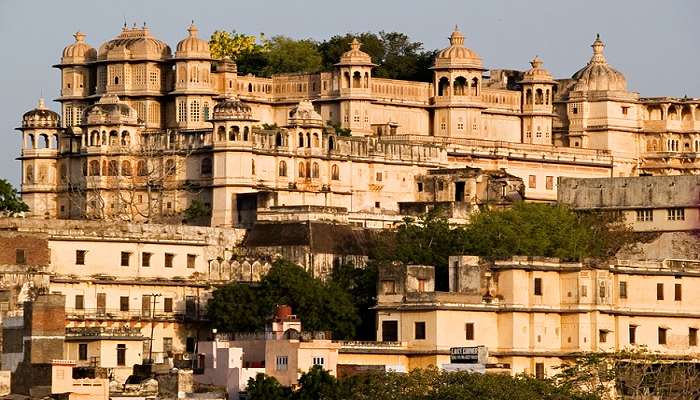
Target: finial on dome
column 355, row 44
column 41, row 105
column 598, row 47
column 193, row 30
column 456, row 38
column 79, row 37
column 536, row 62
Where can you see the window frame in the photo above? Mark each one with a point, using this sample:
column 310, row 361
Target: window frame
column 80, row 256
column 168, row 260
column 622, row 292
column 146, row 259
column 469, row 331
column 419, row 330
column 125, row 258
column 537, row 286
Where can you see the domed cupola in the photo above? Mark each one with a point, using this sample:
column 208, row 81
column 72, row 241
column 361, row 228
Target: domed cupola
column 598, row 75
column 231, row 109
column 78, row 52
column 457, row 56
column 355, row 56
column 537, row 74
column 134, row 43
column 41, row 117
column 305, row 115
column 192, row 46
column 110, row 111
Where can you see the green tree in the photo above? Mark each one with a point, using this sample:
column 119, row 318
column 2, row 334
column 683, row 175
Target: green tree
column 232, row 44
column 10, row 201
column 239, row 307
column 361, row 284
column 287, row 55
column 265, row 387
column 316, row 383
column 236, row 308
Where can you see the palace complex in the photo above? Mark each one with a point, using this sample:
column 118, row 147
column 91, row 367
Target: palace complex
column 145, row 133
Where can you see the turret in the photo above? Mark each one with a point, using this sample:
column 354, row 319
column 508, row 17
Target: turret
column 40, row 141
column 355, row 72
column 193, row 81
column 537, row 91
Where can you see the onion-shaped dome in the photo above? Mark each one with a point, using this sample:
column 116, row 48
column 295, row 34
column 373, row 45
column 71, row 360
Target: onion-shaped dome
column 457, row 56
column 110, row 110
column 355, row 56
column 231, row 109
column 192, row 46
column 134, row 43
column 304, row 114
column 598, row 74
column 537, row 74
column 78, row 52
column 41, row 117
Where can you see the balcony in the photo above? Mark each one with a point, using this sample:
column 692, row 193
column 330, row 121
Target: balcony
column 138, row 315
column 101, row 332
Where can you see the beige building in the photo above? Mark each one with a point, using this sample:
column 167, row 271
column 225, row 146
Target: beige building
column 648, row 203
column 142, row 133
column 532, row 314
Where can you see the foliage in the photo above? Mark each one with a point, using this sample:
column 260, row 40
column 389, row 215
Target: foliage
column 393, row 52
column 265, row 387
column 361, row 284
column 316, row 383
column 339, row 130
column 233, row 45
column 526, row 229
column 269, row 127
column 197, row 209
column 632, row 372
column 431, row 383
column 395, row 55
column 287, row 55
column 10, row 201
column 321, row 306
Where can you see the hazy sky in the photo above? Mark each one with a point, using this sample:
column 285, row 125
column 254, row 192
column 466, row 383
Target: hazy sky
column 654, row 43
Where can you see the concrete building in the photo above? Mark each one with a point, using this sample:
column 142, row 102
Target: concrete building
column 143, row 134
column 648, row 203
column 532, row 314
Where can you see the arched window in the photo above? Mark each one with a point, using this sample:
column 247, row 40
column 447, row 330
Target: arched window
column 205, row 111
column 366, row 80
column 45, row 141
column 113, row 138
column 112, row 168
column 335, row 172
column 141, row 167
column 443, row 86
column 126, row 139
column 104, row 138
column 302, row 171
column 459, row 86
column 252, row 167
column 116, row 80
column 539, row 97
column 278, row 139
column 233, row 133
column 32, row 142
column 475, row 87
column 250, row 87
column 301, row 139
column 205, row 167
column 356, row 79
column 182, row 74
column 282, row 169
column 29, row 174
column 528, row 96
column 331, row 143
column 315, row 172
column 94, row 168
column 245, row 133
column 169, row 167
column 546, row 97
column 221, row 133
column 315, row 140
column 126, row 168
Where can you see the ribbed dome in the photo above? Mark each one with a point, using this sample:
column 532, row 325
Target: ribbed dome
column 598, row 74
column 110, row 110
column 457, row 56
column 231, row 109
column 192, row 46
column 40, row 117
column 79, row 51
column 304, row 114
column 537, row 74
column 134, row 43
column 355, row 56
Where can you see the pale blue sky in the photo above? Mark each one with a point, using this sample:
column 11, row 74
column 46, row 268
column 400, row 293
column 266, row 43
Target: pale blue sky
column 654, row 43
